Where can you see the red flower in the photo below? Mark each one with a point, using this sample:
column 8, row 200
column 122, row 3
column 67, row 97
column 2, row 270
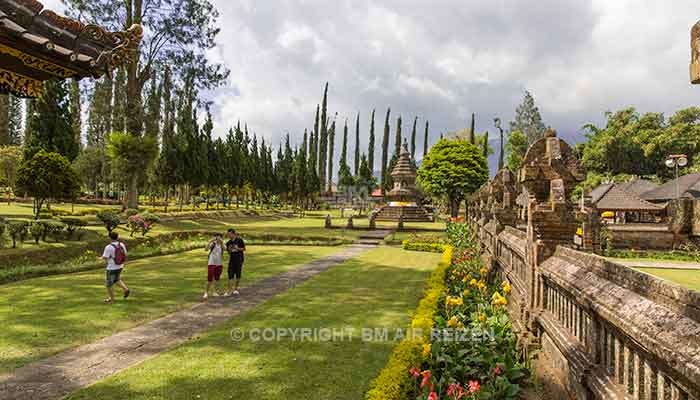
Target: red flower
column 474, row 386
column 497, row 370
column 414, row 372
column 455, row 391
column 426, row 378
column 433, row 396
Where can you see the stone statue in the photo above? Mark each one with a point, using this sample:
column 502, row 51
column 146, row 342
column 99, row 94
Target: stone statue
column 350, row 223
column 373, row 221
column 401, row 222
column 328, row 221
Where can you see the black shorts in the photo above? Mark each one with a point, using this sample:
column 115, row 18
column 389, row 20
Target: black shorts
column 235, row 268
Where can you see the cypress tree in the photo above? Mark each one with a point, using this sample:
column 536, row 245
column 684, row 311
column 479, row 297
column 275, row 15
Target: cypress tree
column 370, row 147
column 153, row 114
column 500, row 152
column 4, row 119
column 50, row 126
column 413, row 139
column 472, row 138
column 119, row 111
column 75, row 110
column 313, row 157
column 357, row 144
column 331, row 151
column 344, row 148
column 425, row 140
column 397, row 142
column 323, row 144
column 385, row 149
column 486, row 145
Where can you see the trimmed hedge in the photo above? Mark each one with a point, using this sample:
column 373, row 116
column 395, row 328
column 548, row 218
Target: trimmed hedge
column 418, row 245
column 394, row 381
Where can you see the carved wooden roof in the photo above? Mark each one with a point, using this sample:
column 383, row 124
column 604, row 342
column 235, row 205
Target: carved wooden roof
column 37, row 44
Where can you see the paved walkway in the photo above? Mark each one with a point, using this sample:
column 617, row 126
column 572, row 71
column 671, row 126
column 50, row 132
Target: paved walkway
column 662, row 264
column 59, row 375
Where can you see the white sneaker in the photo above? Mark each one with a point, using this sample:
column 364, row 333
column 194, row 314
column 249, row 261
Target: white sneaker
column 205, row 297
column 236, row 292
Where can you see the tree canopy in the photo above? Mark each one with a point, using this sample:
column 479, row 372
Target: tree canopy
column 47, row 176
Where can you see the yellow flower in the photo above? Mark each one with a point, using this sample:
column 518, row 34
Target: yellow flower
column 472, row 282
column 482, row 318
column 454, row 323
column 453, row 301
column 427, row 348
column 506, row 287
column 466, row 292
column 483, row 271
column 498, row 300
column 481, row 285
column 465, row 279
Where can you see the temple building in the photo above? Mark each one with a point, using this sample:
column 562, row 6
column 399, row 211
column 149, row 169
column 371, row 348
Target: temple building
column 403, row 198
column 37, row 44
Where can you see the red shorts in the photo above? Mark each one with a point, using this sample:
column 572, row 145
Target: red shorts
column 214, row 272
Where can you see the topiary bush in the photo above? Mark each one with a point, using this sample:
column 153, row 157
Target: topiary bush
column 2, row 232
column 109, row 219
column 417, row 245
column 54, row 230
column 45, row 214
column 74, row 227
column 17, row 230
column 131, row 212
column 38, row 231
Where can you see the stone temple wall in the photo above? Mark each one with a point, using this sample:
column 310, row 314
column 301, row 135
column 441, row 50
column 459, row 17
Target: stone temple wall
column 612, row 332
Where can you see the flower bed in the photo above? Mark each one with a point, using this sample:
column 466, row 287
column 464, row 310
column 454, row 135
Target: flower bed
column 421, row 245
column 393, row 383
column 472, row 354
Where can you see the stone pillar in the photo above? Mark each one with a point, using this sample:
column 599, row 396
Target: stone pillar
column 589, row 218
column 328, row 221
column 400, row 227
column 373, row 221
column 350, row 223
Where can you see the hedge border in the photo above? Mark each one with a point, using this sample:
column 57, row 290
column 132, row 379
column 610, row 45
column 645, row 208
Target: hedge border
column 394, row 381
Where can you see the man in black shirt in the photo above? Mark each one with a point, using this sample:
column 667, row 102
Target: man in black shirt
column 235, row 248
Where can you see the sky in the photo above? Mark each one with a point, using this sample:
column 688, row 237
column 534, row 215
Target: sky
column 441, row 60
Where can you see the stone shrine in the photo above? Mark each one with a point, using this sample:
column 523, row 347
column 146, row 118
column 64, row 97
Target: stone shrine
column 403, row 198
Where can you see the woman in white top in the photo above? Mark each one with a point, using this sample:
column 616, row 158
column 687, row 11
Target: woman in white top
column 215, row 265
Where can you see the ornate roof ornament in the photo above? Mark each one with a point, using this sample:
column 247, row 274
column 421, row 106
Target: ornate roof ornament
column 695, row 53
column 37, row 44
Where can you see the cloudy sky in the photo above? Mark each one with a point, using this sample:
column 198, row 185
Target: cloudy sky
column 442, row 60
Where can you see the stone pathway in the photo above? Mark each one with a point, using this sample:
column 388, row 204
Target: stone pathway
column 663, row 264
column 59, row 375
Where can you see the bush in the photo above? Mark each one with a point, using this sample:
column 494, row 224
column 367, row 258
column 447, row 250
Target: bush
column 17, row 230
column 417, row 245
column 37, row 230
column 45, row 214
column 54, row 229
column 73, row 226
column 131, row 212
column 2, row 232
column 109, row 219
column 394, row 381
column 142, row 223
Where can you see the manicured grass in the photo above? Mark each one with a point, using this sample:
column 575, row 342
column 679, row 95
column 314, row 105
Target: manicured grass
column 381, row 288
column 689, row 278
column 24, row 210
column 45, row 315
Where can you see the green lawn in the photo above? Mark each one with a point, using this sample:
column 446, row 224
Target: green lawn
column 24, row 210
column 685, row 277
column 45, row 315
column 381, row 288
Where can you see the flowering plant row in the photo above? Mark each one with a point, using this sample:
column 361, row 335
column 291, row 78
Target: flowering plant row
column 142, row 223
column 474, row 354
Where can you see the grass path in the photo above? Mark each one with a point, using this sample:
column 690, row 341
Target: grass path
column 43, row 316
column 689, row 278
column 380, row 288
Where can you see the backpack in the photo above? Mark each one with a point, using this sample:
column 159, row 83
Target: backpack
column 119, row 255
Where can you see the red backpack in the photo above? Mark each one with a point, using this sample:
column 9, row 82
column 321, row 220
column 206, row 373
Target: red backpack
column 119, row 255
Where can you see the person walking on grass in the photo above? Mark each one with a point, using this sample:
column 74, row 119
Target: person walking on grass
column 215, row 264
column 115, row 254
column 236, row 249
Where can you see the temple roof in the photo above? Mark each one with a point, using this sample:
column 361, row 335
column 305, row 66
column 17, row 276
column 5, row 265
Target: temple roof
column 404, row 167
column 688, row 187
column 37, row 44
column 616, row 198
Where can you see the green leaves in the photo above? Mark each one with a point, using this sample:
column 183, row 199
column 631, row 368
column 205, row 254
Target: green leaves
column 48, row 175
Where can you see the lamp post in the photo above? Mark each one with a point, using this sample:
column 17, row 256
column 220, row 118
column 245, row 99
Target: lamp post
column 677, row 161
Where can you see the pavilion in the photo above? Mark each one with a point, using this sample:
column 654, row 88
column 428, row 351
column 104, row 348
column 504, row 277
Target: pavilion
column 37, row 44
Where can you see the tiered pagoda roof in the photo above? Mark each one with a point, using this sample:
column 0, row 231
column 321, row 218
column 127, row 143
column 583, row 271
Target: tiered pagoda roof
column 37, row 44
column 404, row 167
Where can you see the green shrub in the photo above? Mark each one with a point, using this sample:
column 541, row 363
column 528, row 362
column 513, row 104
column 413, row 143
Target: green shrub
column 109, row 219
column 417, row 245
column 17, row 230
column 394, row 381
column 131, row 212
column 37, row 230
column 2, row 232
column 73, row 226
column 45, row 214
column 55, row 229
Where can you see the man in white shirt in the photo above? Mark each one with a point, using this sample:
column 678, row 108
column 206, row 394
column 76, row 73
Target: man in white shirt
column 115, row 254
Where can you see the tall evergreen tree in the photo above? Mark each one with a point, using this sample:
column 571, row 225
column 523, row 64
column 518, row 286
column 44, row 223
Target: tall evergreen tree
column 153, row 110
column 76, row 110
column 323, row 143
column 356, row 163
column 313, row 157
column 4, row 119
column 331, row 151
column 344, row 148
column 397, row 141
column 485, row 148
column 370, row 146
column 50, row 123
column 472, row 130
column 385, row 149
column 413, row 139
column 528, row 120
column 99, row 112
column 425, row 139
column 119, row 110
column 15, row 118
